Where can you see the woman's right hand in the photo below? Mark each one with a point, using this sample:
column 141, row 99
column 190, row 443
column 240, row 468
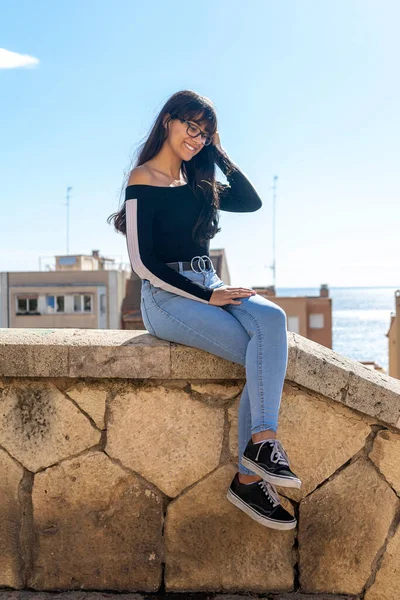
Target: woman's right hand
column 229, row 295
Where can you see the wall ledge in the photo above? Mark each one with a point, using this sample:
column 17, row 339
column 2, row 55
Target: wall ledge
column 130, row 354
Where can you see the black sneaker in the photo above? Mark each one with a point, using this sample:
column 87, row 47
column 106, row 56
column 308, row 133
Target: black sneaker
column 269, row 460
column 260, row 501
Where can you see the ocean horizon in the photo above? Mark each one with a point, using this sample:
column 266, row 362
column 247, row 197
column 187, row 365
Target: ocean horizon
column 360, row 319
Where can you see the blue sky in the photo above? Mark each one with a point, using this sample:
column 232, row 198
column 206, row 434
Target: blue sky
column 306, row 90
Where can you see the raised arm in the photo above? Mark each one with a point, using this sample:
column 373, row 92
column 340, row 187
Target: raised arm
column 240, row 195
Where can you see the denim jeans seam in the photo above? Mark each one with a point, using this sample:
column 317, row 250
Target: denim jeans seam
column 148, row 319
column 194, row 330
column 259, row 349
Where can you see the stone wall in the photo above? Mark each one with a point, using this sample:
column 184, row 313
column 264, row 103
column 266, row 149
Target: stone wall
column 117, row 449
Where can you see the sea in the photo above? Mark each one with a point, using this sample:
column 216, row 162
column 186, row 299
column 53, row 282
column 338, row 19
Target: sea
column 360, row 320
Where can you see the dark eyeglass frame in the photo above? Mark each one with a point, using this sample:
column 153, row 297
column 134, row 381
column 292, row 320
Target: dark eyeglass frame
column 207, row 136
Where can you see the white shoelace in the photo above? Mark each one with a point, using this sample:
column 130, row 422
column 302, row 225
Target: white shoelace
column 269, row 492
column 278, row 455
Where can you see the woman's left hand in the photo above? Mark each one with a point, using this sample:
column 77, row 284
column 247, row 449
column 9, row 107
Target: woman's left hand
column 216, row 139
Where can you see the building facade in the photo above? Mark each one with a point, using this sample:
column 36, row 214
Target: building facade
column 81, row 292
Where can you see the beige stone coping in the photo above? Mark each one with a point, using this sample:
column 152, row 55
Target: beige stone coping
column 114, row 353
column 88, row 595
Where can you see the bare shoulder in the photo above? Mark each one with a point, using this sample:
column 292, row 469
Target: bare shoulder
column 140, row 174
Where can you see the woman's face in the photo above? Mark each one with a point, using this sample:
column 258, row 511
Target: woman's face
column 183, row 144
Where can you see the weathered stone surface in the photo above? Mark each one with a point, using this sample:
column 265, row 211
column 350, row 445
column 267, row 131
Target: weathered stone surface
column 33, row 360
column 81, row 595
column 77, row 352
column 174, row 442
column 343, row 532
column 40, row 426
column 192, row 363
column 143, row 356
column 171, row 383
column 233, row 412
column 10, row 519
column 211, row 545
column 92, row 400
column 137, row 354
column 320, row 369
column 387, row 581
column 308, row 597
column 348, row 381
column 300, row 596
column 386, row 455
column 292, row 356
column 218, row 391
column 342, row 526
column 374, row 393
column 28, row 595
column 318, row 436
column 96, row 526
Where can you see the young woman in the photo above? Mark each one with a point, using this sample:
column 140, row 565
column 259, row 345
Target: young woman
column 169, row 215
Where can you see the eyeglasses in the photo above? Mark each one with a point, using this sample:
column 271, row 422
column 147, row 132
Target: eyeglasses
column 194, row 131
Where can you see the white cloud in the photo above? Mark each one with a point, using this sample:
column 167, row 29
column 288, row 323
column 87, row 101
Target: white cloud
column 13, row 60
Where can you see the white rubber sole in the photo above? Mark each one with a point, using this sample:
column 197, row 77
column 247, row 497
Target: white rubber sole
column 274, row 479
column 271, row 523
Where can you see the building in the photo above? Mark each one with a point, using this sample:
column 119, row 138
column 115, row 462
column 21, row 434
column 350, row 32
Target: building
column 82, row 291
column 393, row 336
column 310, row 316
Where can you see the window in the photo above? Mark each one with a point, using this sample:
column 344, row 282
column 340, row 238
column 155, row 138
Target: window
column 103, row 304
column 27, row 305
column 316, row 321
column 83, row 303
column 77, row 304
column 293, row 324
column 55, row 304
column 67, row 304
column 87, row 303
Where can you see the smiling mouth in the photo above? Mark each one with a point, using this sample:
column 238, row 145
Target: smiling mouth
column 190, row 148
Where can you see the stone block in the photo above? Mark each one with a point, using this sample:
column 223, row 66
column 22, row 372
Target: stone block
column 292, row 356
column 319, row 437
column 375, row 394
column 211, row 545
column 320, row 369
column 10, row 522
column 386, row 455
column 386, row 584
column 91, row 398
column 96, row 526
column 40, row 426
column 299, row 596
column 342, row 526
column 145, row 356
column 192, row 363
column 26, row 360
column 218, row 391
column 165, row 435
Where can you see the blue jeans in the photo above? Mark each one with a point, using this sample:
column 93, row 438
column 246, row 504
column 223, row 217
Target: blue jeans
column 253, row 334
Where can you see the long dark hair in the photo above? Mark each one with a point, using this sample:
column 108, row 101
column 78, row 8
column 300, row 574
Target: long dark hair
column 199, row 171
